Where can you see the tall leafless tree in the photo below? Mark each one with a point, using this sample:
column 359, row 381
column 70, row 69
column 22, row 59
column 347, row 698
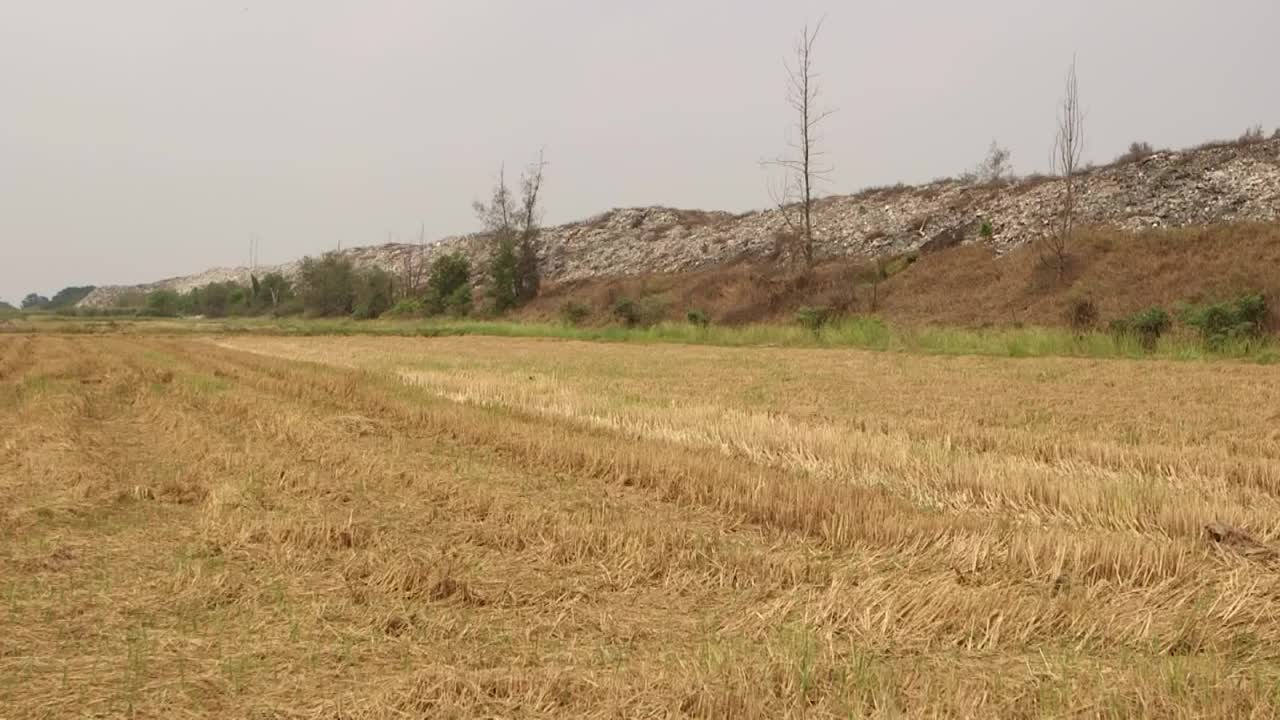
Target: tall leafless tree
column 1068, row 152
column 802, row 165
column 414, row 265
column 498, row 215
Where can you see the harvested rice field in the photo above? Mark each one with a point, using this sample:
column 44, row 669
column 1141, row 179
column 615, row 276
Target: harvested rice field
column 381, row 527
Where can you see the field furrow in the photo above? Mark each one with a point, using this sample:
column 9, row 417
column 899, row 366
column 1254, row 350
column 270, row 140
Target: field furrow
column 382, row 527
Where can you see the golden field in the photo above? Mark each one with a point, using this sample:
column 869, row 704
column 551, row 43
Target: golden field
column 379, row 527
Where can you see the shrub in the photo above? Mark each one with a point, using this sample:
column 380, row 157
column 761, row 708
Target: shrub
column 813, row 319
column 1137, row 151
column 327, row 286
column 573, row 313
column 627, row 312
column 652, row 310
column 986, row 230
column 215, row 299
column 459, row 301
column 373, row 293
column 406, row 307
column 1147, row 325
column 995, row 168
column 1252, row 135
column 698, row 317
column 900, row 263
column 163, row 303
column 286, row 308
column 1082, row 314
column 1219, row 323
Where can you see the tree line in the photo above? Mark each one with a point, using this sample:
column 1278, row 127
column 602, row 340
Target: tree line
column 333, row 286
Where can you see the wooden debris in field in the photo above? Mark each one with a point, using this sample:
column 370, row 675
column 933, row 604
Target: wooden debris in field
column 1239, row 540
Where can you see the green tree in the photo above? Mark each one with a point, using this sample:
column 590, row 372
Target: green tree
column 513, row 224
column 69, row 296
column 273, row 290
column 238, row 300
column 191, row 302
column 34, row 302
column 528, row 279
column 374, row 293
column 448, row 284
column 327, row 286
column 216, row 300
column 503, row 288
column 164, row 303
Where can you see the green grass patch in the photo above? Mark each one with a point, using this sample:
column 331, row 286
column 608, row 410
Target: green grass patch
column 861, row 332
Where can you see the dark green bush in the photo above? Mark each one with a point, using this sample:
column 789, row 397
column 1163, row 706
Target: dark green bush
column 163, row 303
column 459, row 301
column 373, row 293
column 1219, row 323
column 697, row 317
column 1147, row 325
column 327, row 286
column 449, row 285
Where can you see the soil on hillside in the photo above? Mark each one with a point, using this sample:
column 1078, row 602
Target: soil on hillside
column 967, row 285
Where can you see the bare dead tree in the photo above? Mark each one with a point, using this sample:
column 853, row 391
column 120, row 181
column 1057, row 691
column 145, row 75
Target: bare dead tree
column 995, row 167
column 1068, row 152
column 498, row 215
column 528, row 277
column 802, row 165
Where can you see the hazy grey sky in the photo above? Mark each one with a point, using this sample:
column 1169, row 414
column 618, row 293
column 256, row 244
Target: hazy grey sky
column 141, row 139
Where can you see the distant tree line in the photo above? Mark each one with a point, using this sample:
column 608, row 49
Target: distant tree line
column 332, row 286
column 64, row 298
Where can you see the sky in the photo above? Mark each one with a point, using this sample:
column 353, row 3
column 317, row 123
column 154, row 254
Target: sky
column 142, row 139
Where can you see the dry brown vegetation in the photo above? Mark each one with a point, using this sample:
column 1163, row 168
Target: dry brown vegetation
column 470, row 527
column 968, row 285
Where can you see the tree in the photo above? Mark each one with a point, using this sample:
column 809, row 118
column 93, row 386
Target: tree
column 164, row 303
column 449, row 284
column 275, row 289
column 498, row 218
column 34, row 302
column 69, row 296
column 528, row 279
column 216, row 299
column 504, row 285
column 327, row 285
column 802, row 167
column 374, row 292
column 413, row 266
column 1068, row 151
column 995, row 168
column 514, row 225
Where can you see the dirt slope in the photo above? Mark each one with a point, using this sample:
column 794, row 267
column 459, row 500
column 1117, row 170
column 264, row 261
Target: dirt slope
column 965, row 285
